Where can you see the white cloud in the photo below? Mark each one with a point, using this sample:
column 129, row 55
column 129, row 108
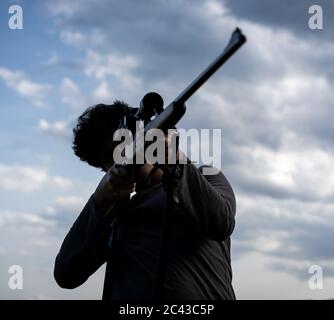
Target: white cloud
column 215, row 8
column 95, row 38
column 20, row 83
column 294, row 94
column 103, row 93
column 23, row 178
column 289, row 210
column 64, row 210
column 13, row 218
column 63, row 7
column 61, row 182
column 71, row 94
column 72, row 38
column 53, row 60
column 66, row 204
column 57, row 128
column 297, row 169
column 101, row 66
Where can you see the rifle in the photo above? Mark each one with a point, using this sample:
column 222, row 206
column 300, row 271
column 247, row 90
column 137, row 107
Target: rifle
column 167, row 118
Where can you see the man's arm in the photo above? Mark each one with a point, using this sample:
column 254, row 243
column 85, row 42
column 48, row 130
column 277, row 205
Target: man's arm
column 84, row 248
column 207, row 201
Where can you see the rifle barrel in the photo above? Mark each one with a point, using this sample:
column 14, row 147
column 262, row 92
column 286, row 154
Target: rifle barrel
column 236, row 41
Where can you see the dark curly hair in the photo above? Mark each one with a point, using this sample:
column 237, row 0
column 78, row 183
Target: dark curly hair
column 93, row 129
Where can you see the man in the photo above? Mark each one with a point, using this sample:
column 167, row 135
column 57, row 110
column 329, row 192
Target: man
column 127, row 232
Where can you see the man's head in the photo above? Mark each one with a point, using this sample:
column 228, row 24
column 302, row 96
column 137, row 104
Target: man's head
column 93, row 134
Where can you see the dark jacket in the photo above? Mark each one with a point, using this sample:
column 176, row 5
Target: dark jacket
column 198, row 262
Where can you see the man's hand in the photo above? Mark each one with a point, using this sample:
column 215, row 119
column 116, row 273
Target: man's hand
column 114, row 186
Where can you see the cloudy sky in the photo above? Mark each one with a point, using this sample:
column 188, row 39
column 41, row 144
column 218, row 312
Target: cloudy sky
column 273, row 100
